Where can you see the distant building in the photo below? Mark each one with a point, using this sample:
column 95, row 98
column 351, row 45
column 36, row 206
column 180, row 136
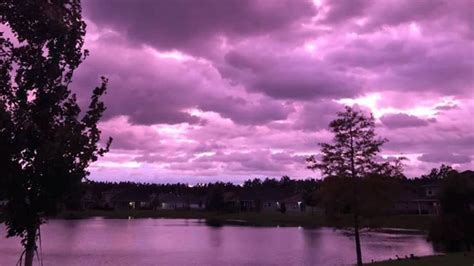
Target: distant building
column 133, row 200
column 419, row 202
column 171, row 201
column 293, row 203
column 106, row 201
column 89, row 200
column 432, row 190
column 271, row 200
column 249, row 201
column 232, row 201
column 197, row 203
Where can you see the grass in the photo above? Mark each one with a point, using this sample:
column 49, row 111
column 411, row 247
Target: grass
column 452, row 259
column 260, row 219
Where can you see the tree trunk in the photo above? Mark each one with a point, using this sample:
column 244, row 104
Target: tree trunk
column 30, row 246
column 356, row 223
column 356, row 201
column 357, row 239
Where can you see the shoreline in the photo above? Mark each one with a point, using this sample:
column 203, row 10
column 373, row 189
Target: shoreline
column 448, row 259
column 385, row 224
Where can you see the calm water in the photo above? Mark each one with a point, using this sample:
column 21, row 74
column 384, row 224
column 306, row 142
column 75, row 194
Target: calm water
column 190, row 242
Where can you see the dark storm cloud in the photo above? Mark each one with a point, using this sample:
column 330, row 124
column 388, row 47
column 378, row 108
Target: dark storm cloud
column 402, row 120
column 292, row 77
column 444, row 157
column 239, row 87
column 187, row 25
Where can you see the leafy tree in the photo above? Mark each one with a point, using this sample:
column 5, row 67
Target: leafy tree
column 352, row 156
column 454, row 226
column 440, row 173
column 253, row 183
column 46, row 142
column 311, row 198
column 377, row 194
column 215, row 201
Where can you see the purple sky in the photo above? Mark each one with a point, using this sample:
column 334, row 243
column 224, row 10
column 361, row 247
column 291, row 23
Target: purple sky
column 211, row 89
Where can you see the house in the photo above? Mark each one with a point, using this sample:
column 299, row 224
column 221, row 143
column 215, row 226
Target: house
column 89, row 200
column 270, row 205
column 432, row 190
column 133, row 199
column 173, row 202
column 417, row 206
column 410, row 202
column 248, row 201
column 293, row 203
column 196, row 203
column 269, row 201
column 232, row 201
column 107, row 197
column 266, row 200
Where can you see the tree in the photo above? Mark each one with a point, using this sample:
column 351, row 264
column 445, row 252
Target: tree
column 453, row 228
column 353, row 156
column 215, row 201
column 440, row 173
column 46, row 142
column 376, row 195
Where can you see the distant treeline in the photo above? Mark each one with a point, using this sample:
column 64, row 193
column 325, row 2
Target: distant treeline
column 285, row 184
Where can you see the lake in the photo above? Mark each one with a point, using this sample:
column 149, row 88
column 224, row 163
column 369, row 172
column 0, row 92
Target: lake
column 191, row 242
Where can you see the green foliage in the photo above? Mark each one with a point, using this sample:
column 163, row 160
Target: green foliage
column 46, row 142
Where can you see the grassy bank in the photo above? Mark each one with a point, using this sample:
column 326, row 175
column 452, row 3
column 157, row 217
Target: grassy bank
column 259, row 219
column 453, row 259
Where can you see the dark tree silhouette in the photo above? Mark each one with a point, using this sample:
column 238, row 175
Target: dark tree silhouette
column 440, row 173
column 46, row 142
column 353, row 156
column 453, row 228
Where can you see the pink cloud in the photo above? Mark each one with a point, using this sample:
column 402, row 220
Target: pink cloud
column 403, row 120
column 205, row 90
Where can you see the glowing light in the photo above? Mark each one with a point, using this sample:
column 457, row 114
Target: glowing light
column 369, row 101
column 169, row 130
column 318, row 3
column 310, row 47
column 175, row 55
column 447, row 102
column 422, row 111
column 205, row 154
column 415, row 28
column 361, row 21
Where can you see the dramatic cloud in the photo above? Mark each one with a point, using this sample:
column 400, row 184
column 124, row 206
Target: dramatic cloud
column 207, row 90
column 441, row 157
column 194, row 26
column 402, row 120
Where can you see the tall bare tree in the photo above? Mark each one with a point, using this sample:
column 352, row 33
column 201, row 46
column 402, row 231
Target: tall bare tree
column 353, row 154
column 46, row 142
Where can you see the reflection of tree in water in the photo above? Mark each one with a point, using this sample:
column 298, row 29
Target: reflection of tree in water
column 215, row 236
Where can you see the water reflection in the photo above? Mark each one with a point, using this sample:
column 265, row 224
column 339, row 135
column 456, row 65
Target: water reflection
column 190, row 242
